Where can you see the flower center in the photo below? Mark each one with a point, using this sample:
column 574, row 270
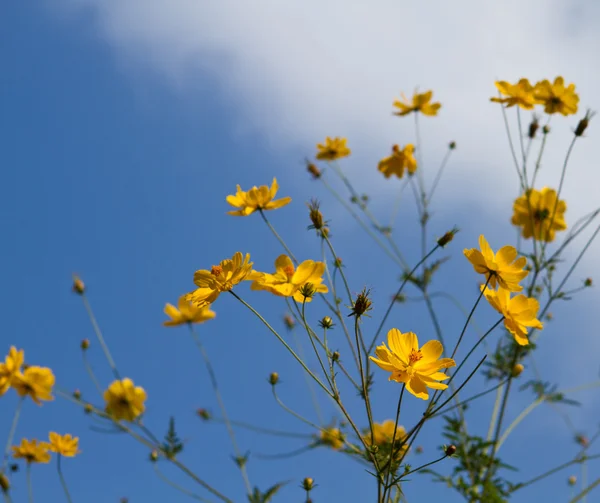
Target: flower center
column 124, row 402
column 216, row 270
column 332, row 152
column 414, row 356
column 541, row 214
column 289, row 270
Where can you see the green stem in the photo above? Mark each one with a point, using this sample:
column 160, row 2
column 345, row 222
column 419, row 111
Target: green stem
column 29, row 484
column 11, row 433
column 293, row 413
column 100, row 338
column 62, row 479
column 179, row 488
column 518, row 419
column 215, row 386
column 583, row 494
column 279, row 238
column 391, row 461
column 90, row 371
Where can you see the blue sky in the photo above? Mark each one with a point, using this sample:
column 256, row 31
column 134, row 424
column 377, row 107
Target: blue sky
column 118, row 151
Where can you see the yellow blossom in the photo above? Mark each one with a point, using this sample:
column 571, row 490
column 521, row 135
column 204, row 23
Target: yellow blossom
column 332, row 149
column 398, row 162
column 32, row 451
column 421, row 102
column 11, row 366
column 287, row 281
column 520, row 94
column 383, row 433
column 124, row 400
column 221, row 278
column 519, row 312
column 65, row 445
column 257, row 198
column 417, row 368
column 332, row 437
column 187, row 312
column 533, row 211
column 556, row 98
column 36, row 382
column 502, row 268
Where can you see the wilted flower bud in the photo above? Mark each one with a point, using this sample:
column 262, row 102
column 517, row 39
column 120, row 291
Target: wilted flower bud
column 85, row 344
column 335, row 356
column 308, row 484
column 450, row 450
column 362, row 304
column 572, row 480
column 78, row 285
column 452, row 145
column 533, row 127
column 517, row 370
column 273, row 378
column 308, row 290
column 4, row 483
column 203, row 414
column 326, row 322
column 584, row 123
column 446, row 238
column 316, row 217
column 88, row 409
column 289, row 322
column 77, row 394
column 313, row 170
column 587, row 282
column 154, row 456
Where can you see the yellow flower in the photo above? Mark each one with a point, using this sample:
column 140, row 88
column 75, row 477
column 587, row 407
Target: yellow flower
column 36, row 382
column 332, row 437
column 519, row 312
column 520, row 94
column 287, row 281
column 535, row 215
column 398, row 162
column 124, row 400
column 556, row 98
column 417, row 368
column 501, row 267
column 383, row 433
column 221, row 278
column 257, row 198
column 188, row 312
column 32, row 451
column 332, row 149
column 11, row 366
column 65, row 445
column 420, row 103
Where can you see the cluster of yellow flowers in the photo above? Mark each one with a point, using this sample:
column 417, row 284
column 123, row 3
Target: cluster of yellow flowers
column 34, row 451
column 27, row 380
column 554, row 97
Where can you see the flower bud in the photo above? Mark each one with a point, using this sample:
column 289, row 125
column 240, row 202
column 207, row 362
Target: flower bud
column 78, row 285
column 4, row 483
column 85, row 344
column 337, row 263
column 326, row 322
column 582, row 440
column 313, row 170
column 450, row 450
column 587, row 282
column 335, row 356
column 315, row 215
column 203, row 414
column 584, row 123
column 546, row 129
column 517, row 370
column 88, row 409
column 533, row 127
column 362, row 304
column 419, row 449
column 154, row 456
column 124, row 500
column 549, row 316
column 77, row 394
column 308, row 290
column 14, row 467
column 289, row 322
column 446, row 238
column 273, row 378
column 572, row 480
column 308, row 484
column 452, row 145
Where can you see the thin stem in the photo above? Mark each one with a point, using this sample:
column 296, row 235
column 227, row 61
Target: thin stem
column 90, row 371
column 29, row 484
column 293, row 413
column 215, row 386
column 470, row 399
column 175, row 486
column 397, row 203
column 438, row 175
column 518, row 419
column 287, row 346
column 279, row 238
column 63, row 482
column 390, row 462
column 363, row 378
column 512, row 148
column 583, row 494
column 421, row 467
column 100, row 338
column 265, row 431
column 11, row 433
column 312, row 342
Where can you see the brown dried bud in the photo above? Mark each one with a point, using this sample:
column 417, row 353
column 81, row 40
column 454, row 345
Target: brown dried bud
column 584, row 123
column 582, row 440
column 273, row 378
column 289, row 322
column 313, row 170
column 362, row 304
column 446, row 238
column 316, row 217
column 533, row 127
column 450, row 450
column 203, row 414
